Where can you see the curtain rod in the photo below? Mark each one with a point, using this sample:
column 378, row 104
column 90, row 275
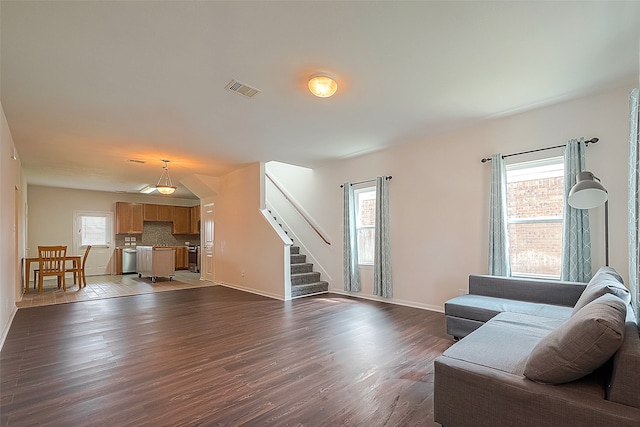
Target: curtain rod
column 586, row 143
column 366, row 180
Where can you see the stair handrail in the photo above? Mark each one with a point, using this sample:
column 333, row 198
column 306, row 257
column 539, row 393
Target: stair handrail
column 298, row 209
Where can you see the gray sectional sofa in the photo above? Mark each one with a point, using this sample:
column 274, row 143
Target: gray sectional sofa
column 540, row 353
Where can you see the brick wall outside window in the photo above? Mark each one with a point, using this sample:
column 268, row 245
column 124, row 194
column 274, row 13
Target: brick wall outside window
column 365, row 224
column 536, row 248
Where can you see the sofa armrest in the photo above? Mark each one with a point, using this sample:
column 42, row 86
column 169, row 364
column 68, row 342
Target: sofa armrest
column 467, row 394
column 541, row 291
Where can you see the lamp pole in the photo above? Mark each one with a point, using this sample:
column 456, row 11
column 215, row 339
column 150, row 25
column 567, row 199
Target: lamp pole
column 606, row 233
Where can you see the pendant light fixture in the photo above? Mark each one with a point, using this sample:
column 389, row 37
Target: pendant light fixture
column 322, row 85
column 165, row 186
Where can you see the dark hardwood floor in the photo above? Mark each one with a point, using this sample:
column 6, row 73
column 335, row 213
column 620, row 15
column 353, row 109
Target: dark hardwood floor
column 219, row 357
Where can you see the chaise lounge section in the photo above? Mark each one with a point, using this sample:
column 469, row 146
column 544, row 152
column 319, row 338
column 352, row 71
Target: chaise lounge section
column 540, row 353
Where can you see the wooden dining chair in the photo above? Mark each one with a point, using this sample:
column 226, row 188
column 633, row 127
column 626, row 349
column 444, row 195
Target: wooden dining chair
column 51, row 262
column 78, row 270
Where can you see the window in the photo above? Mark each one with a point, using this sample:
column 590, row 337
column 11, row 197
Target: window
column 365, row 223
column 93, row 230
column 536, row 201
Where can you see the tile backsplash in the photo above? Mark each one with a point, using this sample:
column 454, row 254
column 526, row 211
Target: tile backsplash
column 156, row 233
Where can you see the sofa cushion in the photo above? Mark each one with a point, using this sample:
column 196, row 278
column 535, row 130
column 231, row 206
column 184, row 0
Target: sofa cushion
column 611, row 272
column 625, row 378
column 483, row 308
column 580, row 345
column 605, row 281
column 504, row 342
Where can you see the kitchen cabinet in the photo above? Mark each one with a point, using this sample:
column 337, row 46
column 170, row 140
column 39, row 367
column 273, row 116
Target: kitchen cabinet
column 158, row 212
column 118, row 260
column 182, row 258
column 181, row 220
column 195, row 219
column 129, row 218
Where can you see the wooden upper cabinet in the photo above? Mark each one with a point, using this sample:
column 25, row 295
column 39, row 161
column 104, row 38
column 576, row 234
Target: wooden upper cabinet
column 158, row 212
column 129, row 218
column 165, row 213
column 195, row 219
column 136, row 218
column 181, row 220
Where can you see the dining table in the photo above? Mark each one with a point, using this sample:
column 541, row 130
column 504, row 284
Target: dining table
column 75, row 259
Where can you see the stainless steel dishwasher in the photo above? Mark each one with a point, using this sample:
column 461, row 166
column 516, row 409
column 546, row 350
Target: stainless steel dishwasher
column 129, row 261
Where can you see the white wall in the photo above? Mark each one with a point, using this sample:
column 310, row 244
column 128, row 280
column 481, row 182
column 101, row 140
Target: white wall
column 248, row 253
column 12, row 228
column 314, row 242
column 440, row 193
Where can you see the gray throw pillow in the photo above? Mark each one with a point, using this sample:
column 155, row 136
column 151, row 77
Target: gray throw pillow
column 581, row 344
column 603, row 282
column 610, row 271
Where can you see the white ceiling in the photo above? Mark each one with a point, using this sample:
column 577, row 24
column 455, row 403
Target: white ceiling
column 85, row 86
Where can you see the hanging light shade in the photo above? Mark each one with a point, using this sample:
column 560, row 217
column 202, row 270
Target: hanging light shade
column 165, row 186
column 322, row 85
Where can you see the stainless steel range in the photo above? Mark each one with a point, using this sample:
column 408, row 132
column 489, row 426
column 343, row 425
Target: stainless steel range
column 194, row 254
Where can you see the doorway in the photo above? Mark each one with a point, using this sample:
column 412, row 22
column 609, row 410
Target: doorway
column 16, row 236
column 209, row 234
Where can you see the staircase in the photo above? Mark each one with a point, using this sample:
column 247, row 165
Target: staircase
column 304, row 281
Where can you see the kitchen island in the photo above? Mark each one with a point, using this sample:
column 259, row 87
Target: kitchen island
column 156, row 261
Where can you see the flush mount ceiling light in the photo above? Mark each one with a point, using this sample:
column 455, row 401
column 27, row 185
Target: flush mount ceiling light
column 322, row 85
column 165, row 186
column 148, row 189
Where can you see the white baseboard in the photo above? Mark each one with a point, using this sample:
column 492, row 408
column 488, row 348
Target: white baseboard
column 250, row 290
column 308, row 295
column 390, row 301
column 340, row 292
column 5, row 330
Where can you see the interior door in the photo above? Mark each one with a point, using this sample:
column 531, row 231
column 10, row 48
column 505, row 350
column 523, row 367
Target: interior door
column 209, row 234
column 95, row 229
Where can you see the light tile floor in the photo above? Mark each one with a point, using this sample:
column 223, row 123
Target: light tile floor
column 109, row 286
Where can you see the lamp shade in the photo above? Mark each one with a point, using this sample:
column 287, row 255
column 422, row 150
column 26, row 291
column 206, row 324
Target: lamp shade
column 587, row 193
column 165, row 186
column 166, row 189
column 322, row 86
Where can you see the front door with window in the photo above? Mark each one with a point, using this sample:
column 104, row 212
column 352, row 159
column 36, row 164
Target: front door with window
column 95, row 229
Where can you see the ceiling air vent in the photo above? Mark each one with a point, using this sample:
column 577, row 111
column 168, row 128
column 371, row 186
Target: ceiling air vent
column 242, row 89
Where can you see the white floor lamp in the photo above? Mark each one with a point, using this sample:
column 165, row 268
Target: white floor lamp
column 588, row 193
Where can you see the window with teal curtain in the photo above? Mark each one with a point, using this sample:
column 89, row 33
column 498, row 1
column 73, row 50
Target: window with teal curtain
column 634, row 207
column 576, row 236
column 499, row 264
column 351, row 270
column 382, row 283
